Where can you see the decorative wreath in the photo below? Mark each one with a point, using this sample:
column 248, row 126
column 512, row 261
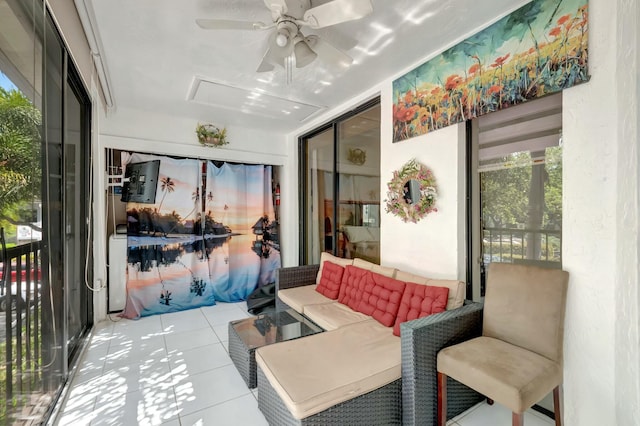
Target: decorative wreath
column 210, row 135
column 397, row 202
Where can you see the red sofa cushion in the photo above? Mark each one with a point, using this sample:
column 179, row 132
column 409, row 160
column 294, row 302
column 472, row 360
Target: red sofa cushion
column 350, row 293
column 330, row 280
column 380, row 298
column 420, row 301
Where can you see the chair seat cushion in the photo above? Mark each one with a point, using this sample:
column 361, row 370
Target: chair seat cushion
column 314, row 373
column 508, row 374
column 299, row 297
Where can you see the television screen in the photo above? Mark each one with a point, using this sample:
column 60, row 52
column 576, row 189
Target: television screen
column 141, row 182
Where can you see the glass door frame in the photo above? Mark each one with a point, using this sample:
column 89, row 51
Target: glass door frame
column 303, row 165
column 86, row 306
column 474, row 225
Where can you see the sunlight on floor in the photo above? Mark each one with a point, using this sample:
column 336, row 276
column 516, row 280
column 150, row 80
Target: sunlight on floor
column 174, row 369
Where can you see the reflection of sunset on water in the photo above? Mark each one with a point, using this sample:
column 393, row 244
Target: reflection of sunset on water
column 227, row 279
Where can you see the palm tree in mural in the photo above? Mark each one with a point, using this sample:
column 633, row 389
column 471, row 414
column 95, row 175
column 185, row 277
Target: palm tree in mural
column 167, row 185
column 195, row 196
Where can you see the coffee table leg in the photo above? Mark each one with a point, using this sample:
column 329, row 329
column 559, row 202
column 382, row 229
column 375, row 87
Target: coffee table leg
column 243, row 358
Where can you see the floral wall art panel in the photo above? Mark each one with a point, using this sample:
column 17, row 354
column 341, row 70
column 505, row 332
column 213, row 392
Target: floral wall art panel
column 539, row 49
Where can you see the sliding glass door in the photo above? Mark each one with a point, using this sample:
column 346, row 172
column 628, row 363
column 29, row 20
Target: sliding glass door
column 340, row 171
column 319, row 216
column 44, row 213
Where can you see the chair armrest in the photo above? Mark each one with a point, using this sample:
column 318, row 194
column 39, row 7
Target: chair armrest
column 296, row 276
column 421, row 340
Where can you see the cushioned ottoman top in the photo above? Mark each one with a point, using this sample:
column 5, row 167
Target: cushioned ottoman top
column 314, row 373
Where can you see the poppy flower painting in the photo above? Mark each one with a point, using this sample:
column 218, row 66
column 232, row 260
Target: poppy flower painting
column 537, row 50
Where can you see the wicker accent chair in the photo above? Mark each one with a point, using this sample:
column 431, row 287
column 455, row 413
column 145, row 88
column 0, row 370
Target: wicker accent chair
column 518, row 358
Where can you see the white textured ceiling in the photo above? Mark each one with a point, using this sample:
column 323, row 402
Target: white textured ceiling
column 154, row 51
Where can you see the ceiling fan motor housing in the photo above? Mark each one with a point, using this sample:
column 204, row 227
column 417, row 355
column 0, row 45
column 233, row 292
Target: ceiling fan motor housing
column 286, row 31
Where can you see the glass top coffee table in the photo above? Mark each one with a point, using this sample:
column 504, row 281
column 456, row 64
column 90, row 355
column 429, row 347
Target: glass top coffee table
column 248, row 334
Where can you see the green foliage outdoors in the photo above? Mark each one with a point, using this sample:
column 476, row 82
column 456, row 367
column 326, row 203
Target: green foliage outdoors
column 505, row 192
column 20, row 141
column 505, row 205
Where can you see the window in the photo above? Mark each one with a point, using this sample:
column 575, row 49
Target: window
column 517, row 216
column 343, row 158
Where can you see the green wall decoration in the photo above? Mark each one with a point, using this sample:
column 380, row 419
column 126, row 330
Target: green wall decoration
column 210, row 135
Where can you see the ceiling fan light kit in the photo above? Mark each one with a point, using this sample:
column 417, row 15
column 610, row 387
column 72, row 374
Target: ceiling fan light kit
column 287, row 43
column 303, row 53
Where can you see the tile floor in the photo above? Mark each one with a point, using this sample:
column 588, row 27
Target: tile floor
column 174, row 370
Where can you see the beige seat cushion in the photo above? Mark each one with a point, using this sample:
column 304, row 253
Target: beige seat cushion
column 299, row 297
column 508, row 374
column 324, row 256
column 378, row 269
column 309, row 378
column 333, row 315
column 457, row 290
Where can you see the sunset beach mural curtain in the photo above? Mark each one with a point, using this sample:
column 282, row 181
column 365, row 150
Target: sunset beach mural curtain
column 537, row 50
column 197, row 243
column 240, row 197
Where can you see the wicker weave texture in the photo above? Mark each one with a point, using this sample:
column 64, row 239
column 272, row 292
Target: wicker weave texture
column 243, row 358
column 422, row 339
column 378, row 407
column 295, row 276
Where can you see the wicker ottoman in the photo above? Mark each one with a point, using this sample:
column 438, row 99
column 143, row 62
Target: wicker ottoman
column 246, row 335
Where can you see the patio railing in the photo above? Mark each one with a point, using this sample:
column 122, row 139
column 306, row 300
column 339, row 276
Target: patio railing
column 21, row 378
column 520, row 245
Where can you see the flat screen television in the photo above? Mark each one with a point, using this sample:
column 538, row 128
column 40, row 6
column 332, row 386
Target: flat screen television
column 141, row 182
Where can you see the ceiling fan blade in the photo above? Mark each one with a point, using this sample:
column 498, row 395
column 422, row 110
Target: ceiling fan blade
column 336, row 12
column 329, row 53
column 265, row 65
column 227, row 24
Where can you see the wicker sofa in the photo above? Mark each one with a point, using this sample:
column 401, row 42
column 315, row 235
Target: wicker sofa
column 357, row 372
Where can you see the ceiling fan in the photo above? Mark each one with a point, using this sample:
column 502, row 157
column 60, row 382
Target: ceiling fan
column 287, row 43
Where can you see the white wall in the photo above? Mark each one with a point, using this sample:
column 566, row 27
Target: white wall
column 600, row 225
column 434, row 246
column 148, row 131
column 600, row 219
